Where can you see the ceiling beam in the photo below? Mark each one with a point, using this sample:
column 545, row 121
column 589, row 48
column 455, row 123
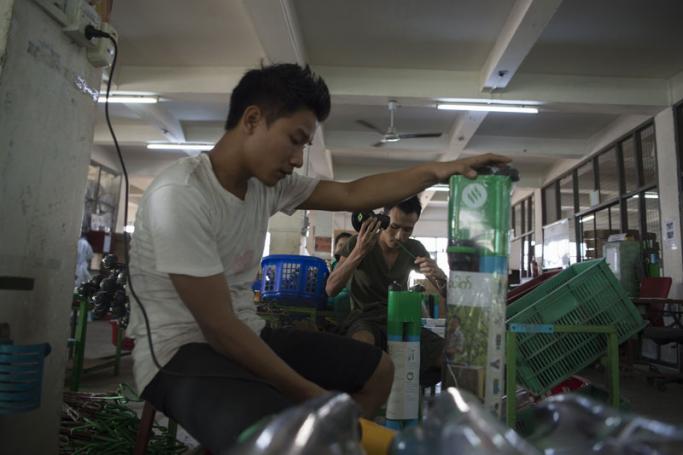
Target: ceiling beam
column 128, row 132
column 596, row 94
column 529, row 146
column 179, row 79
column 350, row 139
column 462, row 131
column 276, row 26
column 440, row 85
column 426, row 198
column 521, row 30
column 460, row 134
column 161, row 118
column 278, row 30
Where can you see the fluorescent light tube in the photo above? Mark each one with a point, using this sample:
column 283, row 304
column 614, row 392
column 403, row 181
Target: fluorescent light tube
column 129, row 99
column 199, row 147
column 487, row 108
column 477, row 101
column 587, row 218
column 438, row 188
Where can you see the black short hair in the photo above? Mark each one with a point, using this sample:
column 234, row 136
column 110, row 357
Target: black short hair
column 407, row 206
column 279, row 90
column 341, row 235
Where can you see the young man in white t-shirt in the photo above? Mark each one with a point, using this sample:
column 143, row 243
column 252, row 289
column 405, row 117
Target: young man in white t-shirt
column 199, row 233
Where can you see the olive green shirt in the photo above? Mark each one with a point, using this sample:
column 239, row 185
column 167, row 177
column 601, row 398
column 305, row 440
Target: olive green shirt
column 369, row 283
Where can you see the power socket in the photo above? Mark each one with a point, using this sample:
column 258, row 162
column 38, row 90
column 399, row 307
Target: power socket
column 80, row 14
column 103, row 52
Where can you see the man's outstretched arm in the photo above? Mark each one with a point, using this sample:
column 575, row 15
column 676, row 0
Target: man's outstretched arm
column 392, row 187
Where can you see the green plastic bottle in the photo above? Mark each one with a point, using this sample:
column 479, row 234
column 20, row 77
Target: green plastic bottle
column 478, row 236
column 404, row 312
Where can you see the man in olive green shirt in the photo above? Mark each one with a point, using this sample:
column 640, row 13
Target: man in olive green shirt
column 373, row 260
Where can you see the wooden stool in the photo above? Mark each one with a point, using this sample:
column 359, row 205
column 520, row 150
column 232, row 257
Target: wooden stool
column 145, row 429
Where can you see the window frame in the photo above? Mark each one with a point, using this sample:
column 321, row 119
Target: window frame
column 619, row 200
column 526, row 237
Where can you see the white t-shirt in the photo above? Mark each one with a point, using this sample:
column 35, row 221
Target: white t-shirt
column 188, row 224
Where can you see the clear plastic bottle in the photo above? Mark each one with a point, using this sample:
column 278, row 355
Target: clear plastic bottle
column 457, row 423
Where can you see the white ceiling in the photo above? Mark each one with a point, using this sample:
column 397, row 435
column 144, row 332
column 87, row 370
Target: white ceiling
column 434, row 34
column 625, row 38
column 588, row 65
column 182, row 33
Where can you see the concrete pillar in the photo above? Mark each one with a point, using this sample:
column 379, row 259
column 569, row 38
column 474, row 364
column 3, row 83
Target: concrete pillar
column 46, row 132
column 669, row 199
column 5, row 19
column 285, row 233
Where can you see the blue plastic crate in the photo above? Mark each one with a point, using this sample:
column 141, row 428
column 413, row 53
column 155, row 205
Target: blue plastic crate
column 21, row 377
column 294, row 280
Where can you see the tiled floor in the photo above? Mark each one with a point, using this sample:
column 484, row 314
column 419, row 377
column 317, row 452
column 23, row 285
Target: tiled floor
column 645, row 399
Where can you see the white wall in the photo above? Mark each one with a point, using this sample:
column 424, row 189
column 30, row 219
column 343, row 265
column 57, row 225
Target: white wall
column 46, row 131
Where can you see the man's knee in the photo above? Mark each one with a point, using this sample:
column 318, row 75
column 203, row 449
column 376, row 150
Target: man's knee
column 385, row 368
column 383, row 376
column 363, row 336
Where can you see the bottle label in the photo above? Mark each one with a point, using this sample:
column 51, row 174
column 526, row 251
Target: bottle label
column 472, row 288
column 404, row 399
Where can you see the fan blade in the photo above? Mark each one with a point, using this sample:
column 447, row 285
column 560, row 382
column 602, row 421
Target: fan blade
column 370, row 126
column 418, row 135
column 378, row 144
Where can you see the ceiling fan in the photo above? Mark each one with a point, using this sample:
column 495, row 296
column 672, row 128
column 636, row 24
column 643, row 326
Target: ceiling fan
column 391, row 134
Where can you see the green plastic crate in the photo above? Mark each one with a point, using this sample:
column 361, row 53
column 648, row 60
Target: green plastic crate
column 548, row 286
column 586, row 293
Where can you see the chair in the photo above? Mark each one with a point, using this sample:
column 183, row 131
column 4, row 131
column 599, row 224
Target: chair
column 655, row 288
column 672, row 332
column 664, row 324
column 650, row 288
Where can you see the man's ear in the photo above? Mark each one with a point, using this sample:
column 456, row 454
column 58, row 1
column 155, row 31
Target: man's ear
column 251, row 118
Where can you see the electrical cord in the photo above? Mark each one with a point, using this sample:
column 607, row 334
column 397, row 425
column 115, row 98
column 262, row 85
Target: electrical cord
column 92, row 32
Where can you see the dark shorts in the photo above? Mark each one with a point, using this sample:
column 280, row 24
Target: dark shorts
column 431, row 346
column 216, row 408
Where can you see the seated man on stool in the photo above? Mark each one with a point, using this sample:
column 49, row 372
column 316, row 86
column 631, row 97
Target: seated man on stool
column 373, row 260
column 210, row 363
